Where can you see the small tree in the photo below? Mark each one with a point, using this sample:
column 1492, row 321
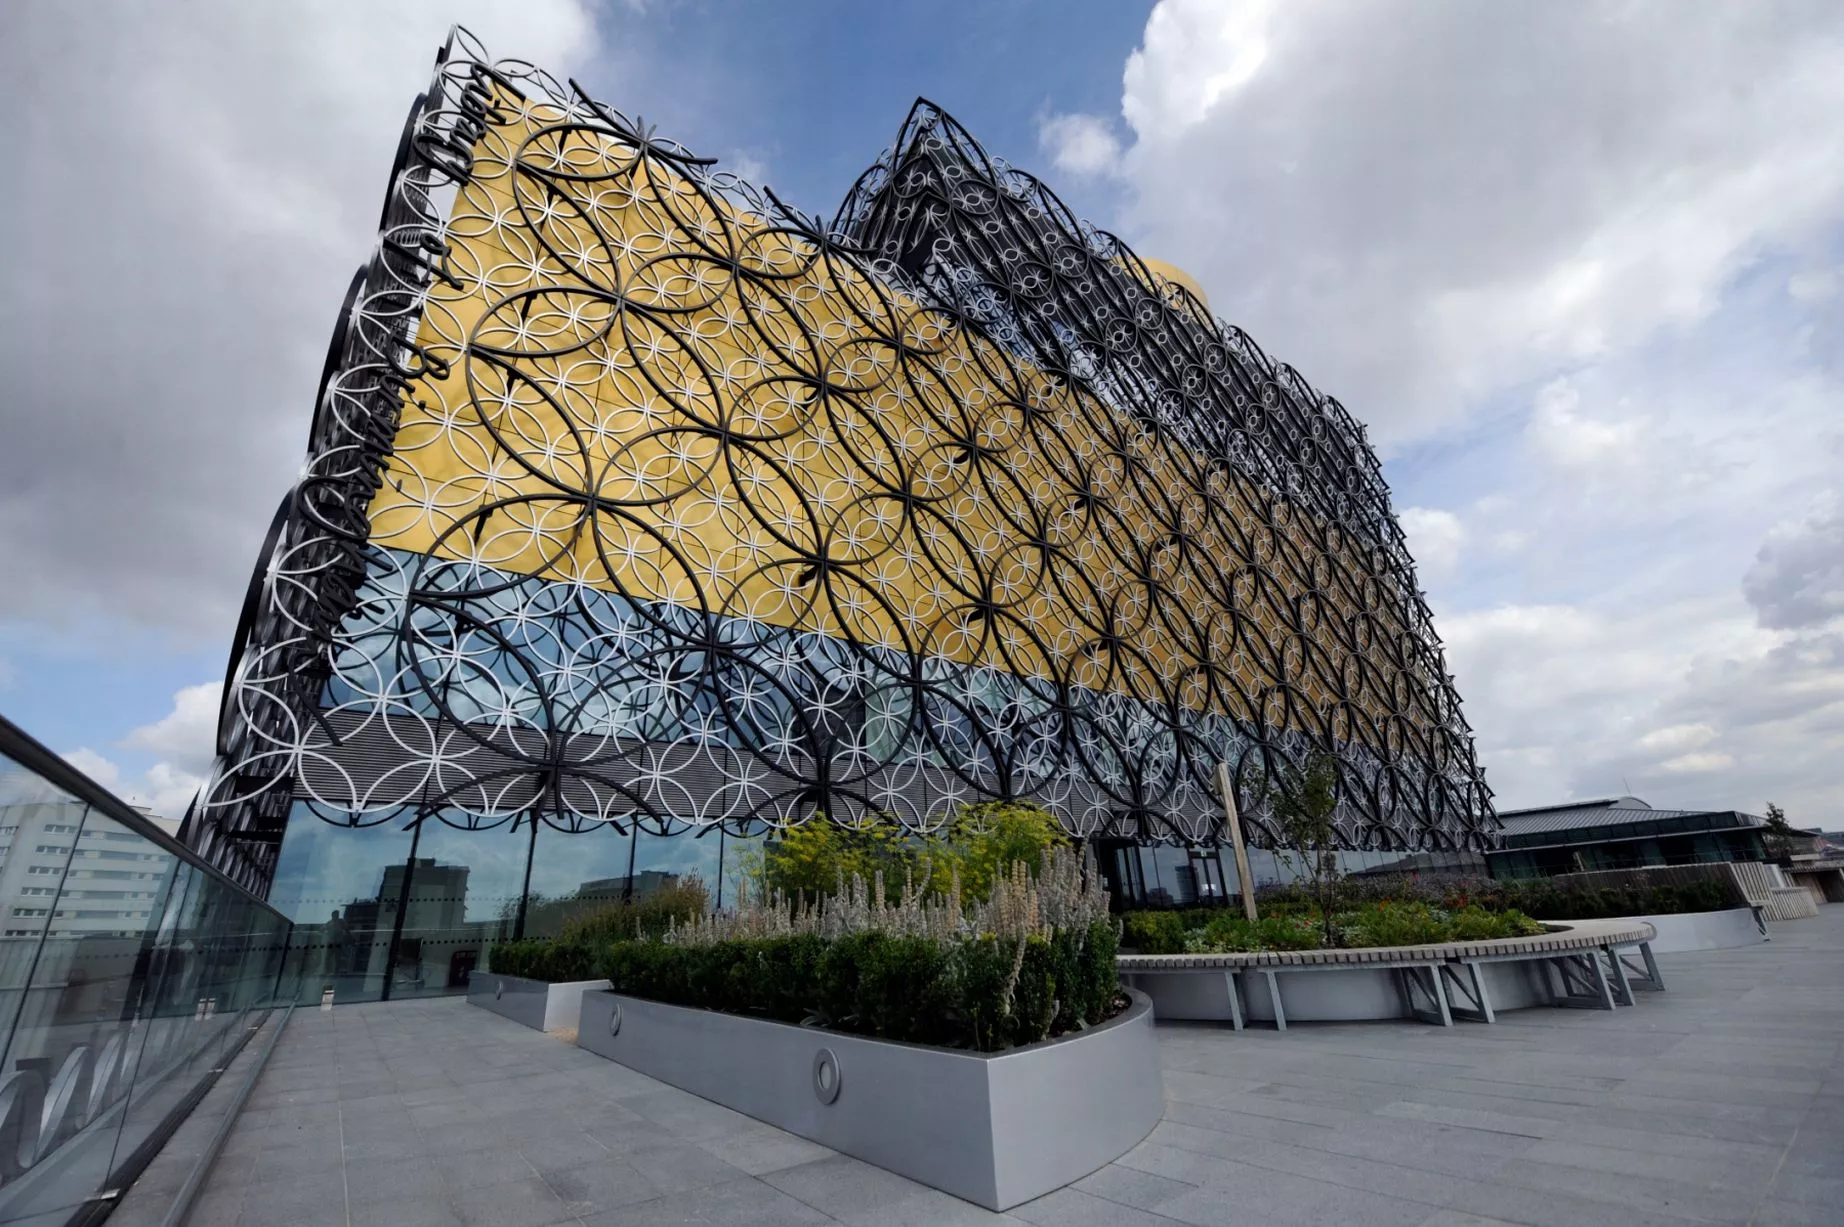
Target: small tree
column 1779, row 834
column 1304, row 799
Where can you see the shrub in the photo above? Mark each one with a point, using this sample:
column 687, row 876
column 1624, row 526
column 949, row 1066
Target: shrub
column 815, row 859
column 1399, row 924
column 977, row 842
column 1476, row 924
column 555, row 962
column 1233, row 934
column 986, row 993
column 983, row 839
column 1154, row 932
column 649, row 915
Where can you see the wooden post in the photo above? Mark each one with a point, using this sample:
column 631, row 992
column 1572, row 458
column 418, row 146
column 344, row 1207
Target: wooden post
column 1233, row 820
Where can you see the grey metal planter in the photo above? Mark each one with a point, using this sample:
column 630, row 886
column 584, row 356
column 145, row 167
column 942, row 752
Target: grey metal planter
column 538, row 1004
column 996, row 1130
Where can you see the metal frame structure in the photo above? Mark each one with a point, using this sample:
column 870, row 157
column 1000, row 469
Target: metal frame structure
column 636, row 498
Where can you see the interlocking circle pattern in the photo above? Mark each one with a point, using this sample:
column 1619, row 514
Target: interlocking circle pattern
column 635, row 498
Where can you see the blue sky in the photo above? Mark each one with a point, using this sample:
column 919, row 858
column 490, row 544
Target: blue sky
column 1594, row 327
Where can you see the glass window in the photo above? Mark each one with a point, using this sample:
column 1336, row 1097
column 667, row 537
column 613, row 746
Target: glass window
column 575, row 872
column 661, row 860
column 334, row 883
column 463, row 894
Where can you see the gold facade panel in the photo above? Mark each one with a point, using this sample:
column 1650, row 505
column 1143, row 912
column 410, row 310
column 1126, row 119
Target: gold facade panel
column 650, row 391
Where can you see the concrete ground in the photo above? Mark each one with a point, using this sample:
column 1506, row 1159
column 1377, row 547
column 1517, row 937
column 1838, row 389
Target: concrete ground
column 1719, row 1101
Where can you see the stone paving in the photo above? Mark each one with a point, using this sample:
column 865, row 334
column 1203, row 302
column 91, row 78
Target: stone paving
column 1719, row 1101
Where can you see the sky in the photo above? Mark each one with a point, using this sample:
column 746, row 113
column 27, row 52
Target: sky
column 1578, row 267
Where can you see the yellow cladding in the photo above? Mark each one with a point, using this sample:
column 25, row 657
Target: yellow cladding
column 653, row 392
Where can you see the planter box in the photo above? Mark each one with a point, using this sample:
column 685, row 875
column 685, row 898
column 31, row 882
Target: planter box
column 540, row 1005
column 1724, row 930
column 995, row 1130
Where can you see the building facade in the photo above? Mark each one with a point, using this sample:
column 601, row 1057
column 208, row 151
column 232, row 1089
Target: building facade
column 1621, row 833
column 644, row 518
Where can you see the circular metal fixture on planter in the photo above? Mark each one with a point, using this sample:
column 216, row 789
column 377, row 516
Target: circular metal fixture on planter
column 827, row 1077
column 614, row 1019
column 499, row 990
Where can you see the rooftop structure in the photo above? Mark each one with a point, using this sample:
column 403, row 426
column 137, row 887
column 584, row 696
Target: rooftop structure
column 1621, row 833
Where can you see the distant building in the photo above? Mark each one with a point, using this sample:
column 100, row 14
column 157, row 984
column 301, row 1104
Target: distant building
column 63, row 876
column 1621, row 833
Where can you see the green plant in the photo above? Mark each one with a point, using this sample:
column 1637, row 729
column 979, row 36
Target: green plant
column 1303, row 799
column 1154, row 932
column 982, row 839
column 1227, row 933
column 555, row 962
column 816, row 859
column 1033, row 959
column 1778, row 835
column 1477, row 924
column 986, row 993
column 649, row 915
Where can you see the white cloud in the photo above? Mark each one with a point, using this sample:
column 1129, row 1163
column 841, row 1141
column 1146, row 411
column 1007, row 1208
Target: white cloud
column 1079, row 144
column 1815, row 285
column 1798, row 577
column 1601, row 320
column 1414, row 212
column 186, row 736
column 1677, row 737
column 1570, row 438
column 95, row 766
column 1696, row 764
column 198, row 182
column 1192, row 56
column 1435, row 539
column 182, row 741
column 1688, row 704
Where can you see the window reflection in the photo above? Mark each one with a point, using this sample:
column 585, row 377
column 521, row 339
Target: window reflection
column 333, row 883
column 574, row 873
column 461, row 894
column 124, row 973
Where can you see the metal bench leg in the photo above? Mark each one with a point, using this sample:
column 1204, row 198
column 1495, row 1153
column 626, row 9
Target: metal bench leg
column 1645, row 952
column 1433, row 989
column 1584, row 984
column 1235, row 999
column 1473, row 1002
column 1274, row 995
column 1602, row 984
column 1622, row 990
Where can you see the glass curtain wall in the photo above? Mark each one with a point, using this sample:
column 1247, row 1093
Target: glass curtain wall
column 127, row 974
column 387, row 911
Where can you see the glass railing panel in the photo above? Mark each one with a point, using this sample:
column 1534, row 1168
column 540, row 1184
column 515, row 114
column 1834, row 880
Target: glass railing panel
column 127, row 971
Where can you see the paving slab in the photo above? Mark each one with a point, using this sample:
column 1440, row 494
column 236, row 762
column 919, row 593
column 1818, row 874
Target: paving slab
column 1718, row 1101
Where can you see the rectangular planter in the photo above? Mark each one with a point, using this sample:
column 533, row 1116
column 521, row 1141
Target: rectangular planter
column 995, row 1129
column 537, row 1004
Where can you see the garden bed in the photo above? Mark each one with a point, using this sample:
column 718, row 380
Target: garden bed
column 996, row 1129
column 1375, row 983
column 538, row 1004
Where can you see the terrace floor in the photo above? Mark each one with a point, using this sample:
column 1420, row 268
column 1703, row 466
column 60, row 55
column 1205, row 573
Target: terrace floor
column 1718, row 1101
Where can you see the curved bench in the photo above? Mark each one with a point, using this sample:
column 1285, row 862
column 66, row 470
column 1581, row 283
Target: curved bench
column 1584, row 964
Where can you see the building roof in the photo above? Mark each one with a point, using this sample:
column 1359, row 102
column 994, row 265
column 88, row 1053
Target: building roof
column 1606, row 812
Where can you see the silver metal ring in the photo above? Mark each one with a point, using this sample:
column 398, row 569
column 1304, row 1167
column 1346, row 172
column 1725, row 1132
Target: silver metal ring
column 827, row 1076
column 499, row 990
column 614, row 1019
